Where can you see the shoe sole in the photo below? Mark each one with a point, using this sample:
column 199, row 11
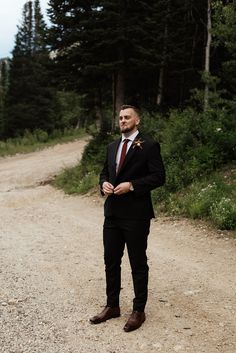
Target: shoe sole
column 133, row 328
column 100, row 321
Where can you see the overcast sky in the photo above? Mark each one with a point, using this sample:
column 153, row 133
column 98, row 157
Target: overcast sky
column 10, row 17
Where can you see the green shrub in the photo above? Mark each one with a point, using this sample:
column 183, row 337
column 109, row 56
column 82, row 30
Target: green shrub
column 27, row 139
column 76, row 181
column 40, row 135
column 69, row 179
column 212, row 199
column 223, row 213
column 56, row 134
column 152, row 125
column 95, row 152
column 199, row 204
column 88, row 182
column 196, row 143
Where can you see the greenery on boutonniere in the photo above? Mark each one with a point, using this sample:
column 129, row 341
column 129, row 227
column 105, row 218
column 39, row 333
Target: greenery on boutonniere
column 138, row 144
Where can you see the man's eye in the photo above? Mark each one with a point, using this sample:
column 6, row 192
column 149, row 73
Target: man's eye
column 127, row 117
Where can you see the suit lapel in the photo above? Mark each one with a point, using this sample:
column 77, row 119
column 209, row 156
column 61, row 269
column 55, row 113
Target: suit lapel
column 113, row 154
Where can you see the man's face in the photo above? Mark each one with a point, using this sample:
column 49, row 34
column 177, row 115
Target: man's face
column 128, row 121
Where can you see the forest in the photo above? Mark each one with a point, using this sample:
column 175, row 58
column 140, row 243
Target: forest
column 176, row 60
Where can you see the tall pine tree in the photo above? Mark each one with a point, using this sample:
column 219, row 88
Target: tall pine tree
column 102, row 48
column 30, row 100
column 224, row 38
column 4, row 68
column 130, row 51
column 75, row 56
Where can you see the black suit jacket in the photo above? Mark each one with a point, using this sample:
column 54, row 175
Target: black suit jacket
column 143, row 167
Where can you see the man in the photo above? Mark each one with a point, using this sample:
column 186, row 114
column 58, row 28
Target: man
column 133, row 168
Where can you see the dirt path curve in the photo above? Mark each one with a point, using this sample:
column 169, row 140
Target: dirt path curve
column 52, row 279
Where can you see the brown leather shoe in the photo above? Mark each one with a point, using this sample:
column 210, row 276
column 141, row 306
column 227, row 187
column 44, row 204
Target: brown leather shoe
column 106, row 314
column 135, row 321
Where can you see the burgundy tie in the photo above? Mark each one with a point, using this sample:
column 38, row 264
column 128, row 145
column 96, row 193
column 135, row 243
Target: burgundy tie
column 123, row 153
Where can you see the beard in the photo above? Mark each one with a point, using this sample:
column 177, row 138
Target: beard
column 126, row 129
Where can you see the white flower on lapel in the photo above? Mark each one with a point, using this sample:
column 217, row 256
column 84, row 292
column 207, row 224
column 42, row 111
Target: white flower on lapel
column 138, row 144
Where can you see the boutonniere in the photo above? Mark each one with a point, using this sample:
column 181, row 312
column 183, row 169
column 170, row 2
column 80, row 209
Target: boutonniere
column 138, row 144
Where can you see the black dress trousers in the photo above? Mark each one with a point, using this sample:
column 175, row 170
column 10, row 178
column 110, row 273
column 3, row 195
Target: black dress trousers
column 134, row 233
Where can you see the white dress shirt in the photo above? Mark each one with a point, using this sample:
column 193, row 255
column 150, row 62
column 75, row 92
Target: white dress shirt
column 131, row 139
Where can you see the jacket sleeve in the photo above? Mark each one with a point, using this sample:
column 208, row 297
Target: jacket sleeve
column 104, row 175
column 156, row 172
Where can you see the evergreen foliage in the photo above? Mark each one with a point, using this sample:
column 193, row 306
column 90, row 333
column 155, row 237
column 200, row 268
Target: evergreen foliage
column 30, row 101
column 122, row 47
column 108, row 52
column 4, row 68
column 225, row 38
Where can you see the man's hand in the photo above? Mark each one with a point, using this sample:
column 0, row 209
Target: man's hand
column 122, row 188
column 107, row 188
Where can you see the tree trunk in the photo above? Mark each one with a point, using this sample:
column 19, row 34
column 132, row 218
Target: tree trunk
column 162, row 68
column 114, row 101
column 160, row 86
column 194, row 43
column 207, row 56
column 99, row 118
column 120, row 90
column 118, row 95
column 78, row 125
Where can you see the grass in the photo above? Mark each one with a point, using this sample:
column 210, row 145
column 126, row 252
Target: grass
column 39, row 139
column 76, row 181
column 212, row 199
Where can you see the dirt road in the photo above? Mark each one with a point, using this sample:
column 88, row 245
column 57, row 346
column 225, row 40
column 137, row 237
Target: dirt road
column 52, row 276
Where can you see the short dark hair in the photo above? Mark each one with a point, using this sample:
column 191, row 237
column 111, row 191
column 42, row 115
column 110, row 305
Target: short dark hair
column 127, row 106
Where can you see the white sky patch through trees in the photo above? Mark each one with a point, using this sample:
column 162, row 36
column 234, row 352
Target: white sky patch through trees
column 10, row 17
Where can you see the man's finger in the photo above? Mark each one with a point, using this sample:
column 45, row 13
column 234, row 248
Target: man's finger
column 118, row 190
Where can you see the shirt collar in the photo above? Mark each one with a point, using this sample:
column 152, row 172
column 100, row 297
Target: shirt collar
column 131, row 137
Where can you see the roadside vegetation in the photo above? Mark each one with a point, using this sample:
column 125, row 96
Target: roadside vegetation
column 84, row 177
column 32, row 141
column 199, row 152
column 212, row 198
